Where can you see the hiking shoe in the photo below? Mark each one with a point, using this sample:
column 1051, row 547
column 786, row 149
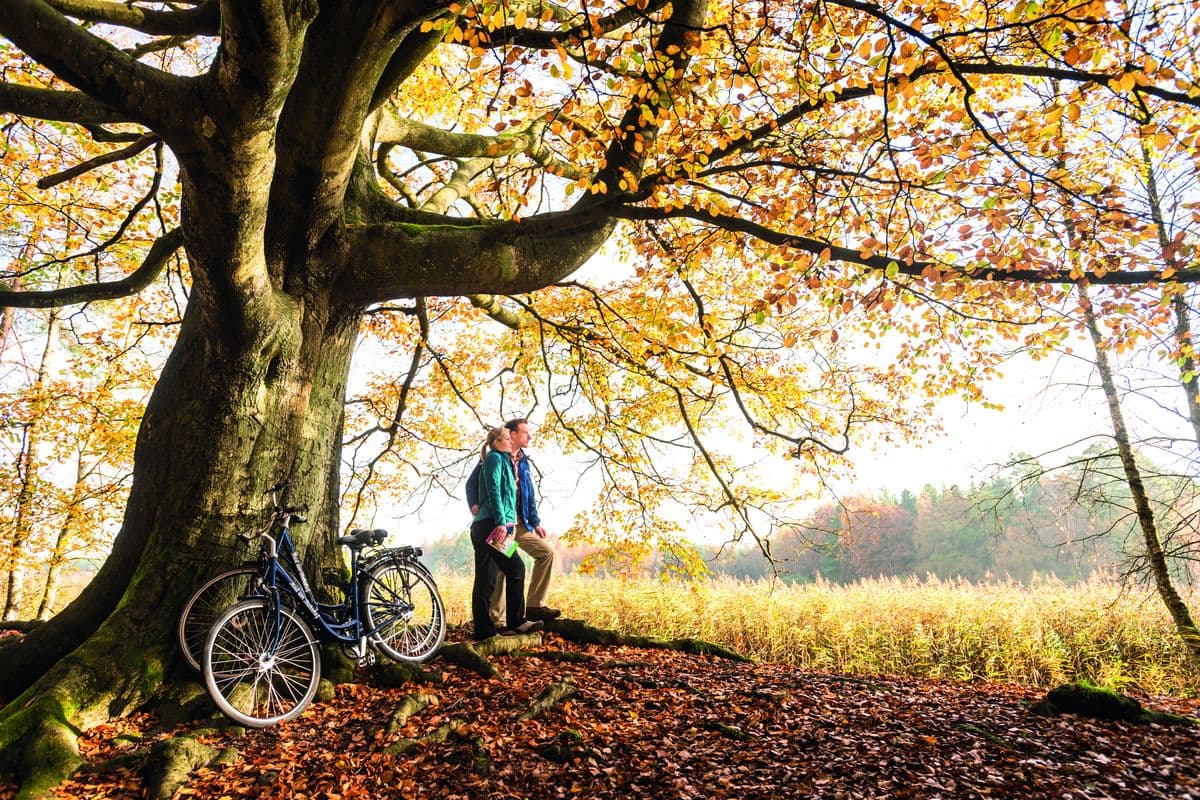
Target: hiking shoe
column 528, row 626
column 542, row 612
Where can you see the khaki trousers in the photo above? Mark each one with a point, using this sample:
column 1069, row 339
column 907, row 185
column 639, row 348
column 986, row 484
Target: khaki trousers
column 543, row 555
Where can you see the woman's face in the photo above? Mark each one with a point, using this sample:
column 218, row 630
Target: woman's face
column 504, row 441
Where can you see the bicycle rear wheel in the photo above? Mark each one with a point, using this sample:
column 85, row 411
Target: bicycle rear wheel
column 256, row 675
column 403, row 611
column 206, row 604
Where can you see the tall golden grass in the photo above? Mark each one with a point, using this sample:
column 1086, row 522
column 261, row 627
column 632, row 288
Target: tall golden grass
column 1040, row 635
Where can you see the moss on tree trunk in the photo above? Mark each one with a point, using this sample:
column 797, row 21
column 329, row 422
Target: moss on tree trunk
column 228, row 419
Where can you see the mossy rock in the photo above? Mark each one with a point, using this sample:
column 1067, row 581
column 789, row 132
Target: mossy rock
column 1098, row 702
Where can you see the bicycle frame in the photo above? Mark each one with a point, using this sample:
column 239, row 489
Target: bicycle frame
column 279, row 581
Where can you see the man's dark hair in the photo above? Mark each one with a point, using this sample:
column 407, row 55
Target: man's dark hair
column 513, row 424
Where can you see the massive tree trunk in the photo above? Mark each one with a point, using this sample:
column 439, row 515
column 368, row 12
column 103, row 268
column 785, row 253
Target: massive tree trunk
column 230, row 416
column 288, row 238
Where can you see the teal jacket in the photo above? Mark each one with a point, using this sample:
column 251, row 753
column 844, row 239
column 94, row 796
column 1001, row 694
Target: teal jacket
column 497, row 490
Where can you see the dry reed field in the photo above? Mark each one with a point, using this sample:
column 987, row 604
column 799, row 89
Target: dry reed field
column 1038, row 635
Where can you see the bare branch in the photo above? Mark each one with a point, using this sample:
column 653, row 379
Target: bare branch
column 143, row 142
column 158, row 256
column 884, row 263
column 29, row 101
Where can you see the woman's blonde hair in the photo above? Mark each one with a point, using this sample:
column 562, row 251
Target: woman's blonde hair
column 493, row 436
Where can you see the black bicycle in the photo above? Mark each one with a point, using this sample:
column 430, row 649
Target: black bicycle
column 260, row 659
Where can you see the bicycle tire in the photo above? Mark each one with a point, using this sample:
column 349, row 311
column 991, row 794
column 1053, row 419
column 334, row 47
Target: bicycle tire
column 206, row 604
column 403, row 611
column 253, row 683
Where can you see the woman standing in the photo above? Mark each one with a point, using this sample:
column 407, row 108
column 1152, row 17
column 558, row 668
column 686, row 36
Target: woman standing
column 494, row 522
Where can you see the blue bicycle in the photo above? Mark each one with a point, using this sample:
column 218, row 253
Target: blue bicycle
column 260, row 659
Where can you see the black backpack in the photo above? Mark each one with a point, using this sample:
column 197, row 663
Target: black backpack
column 473, row 485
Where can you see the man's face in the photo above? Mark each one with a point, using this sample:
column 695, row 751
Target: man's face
column 521, row 436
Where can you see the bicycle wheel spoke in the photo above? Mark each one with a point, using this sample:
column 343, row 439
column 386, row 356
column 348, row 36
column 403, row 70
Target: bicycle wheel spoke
column 404, row 613
column 207, row 603
column 261, row 664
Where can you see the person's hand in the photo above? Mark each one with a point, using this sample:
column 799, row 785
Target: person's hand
column 475, row 508
column 540, row 531
column 497, row 535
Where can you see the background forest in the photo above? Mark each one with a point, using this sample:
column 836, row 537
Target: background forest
column 1069, row 525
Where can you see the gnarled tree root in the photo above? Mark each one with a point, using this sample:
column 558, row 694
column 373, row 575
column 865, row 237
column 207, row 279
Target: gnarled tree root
column 116, row 670
column 410, row 705
column 393, row 675
column 579, row 631
column 455, row 728
column 40, row 746
column 552, row 695
column 171, row 762
column 1100, row 703
column 570, row 656
column 474, row 655
column 566, row 747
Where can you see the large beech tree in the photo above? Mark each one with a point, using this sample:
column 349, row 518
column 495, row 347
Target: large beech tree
column 885, row 160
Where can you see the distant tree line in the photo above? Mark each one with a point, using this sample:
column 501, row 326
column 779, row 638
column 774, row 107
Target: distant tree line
column 1070, row 523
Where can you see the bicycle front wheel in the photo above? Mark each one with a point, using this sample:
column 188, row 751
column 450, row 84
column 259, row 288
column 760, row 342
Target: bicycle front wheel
column 258, row 672
column 206, row 604
column 403, row 610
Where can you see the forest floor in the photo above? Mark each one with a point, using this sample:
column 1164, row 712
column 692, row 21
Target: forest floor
column 646, row 723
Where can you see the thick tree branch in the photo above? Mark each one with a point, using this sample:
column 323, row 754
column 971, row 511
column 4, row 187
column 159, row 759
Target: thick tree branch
column 549, row 40
column 160, row 252
column 962, row 67
column 410, row 54
column 490, row 304
column 630, row 146
column 395, row 130
column 29, row 101
column 884, row 263
column 401, row 260
column 266, row 57
column 202, row 20
column 94, row 66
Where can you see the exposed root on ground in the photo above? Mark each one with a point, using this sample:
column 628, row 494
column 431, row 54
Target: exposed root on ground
column 1100, row 703
column 172, row 761
column 551, row 696
column 115, row 671
column 579, row 631
column 474, row 655
column 410, row 705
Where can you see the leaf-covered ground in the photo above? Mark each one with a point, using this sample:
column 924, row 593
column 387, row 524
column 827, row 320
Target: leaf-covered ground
column 650, row 723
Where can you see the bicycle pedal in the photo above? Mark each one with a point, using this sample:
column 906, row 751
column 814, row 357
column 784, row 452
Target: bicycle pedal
column 367, row 661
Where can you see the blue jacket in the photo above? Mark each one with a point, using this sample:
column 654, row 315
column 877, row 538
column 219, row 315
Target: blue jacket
column 527, row 512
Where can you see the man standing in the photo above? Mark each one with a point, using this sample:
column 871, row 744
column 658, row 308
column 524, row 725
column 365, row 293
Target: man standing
column 531, row 536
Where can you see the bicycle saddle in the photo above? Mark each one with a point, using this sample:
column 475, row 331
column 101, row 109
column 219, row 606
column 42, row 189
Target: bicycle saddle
column 361, row 537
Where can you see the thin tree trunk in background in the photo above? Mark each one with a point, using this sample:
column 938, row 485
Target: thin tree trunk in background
column 1187, row 362
column 28, row 467
column 6, row 320
column 1154, row 552
column 59, row 554
column 1184, row 351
